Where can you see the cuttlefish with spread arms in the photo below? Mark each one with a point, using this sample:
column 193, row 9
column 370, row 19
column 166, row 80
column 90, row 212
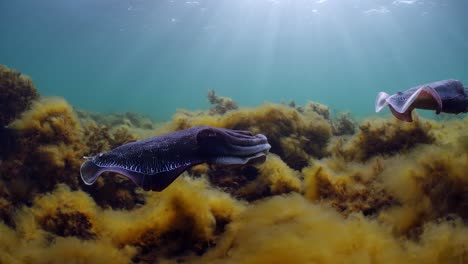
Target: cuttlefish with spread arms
column 154, row 163
column 447, row 96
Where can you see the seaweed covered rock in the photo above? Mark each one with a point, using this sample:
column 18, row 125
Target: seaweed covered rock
column 275, row 178
column 221, row 104
column 382, row 137
column 253, row 182
column 343, row 124
column 136, row 120
column 101, row 138
column 49, row 150
column 116, row 192
column 114, row 120
column 7, row 210
column 185, row 219
column 349, row 189
column 66, row 213
column 430, row 184
column 17, row 92
column 318, row 108
column 97, row 138
column 295, row 137
column 62, row 224
column 228, row 179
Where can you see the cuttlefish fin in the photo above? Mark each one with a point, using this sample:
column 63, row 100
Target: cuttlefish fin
column 402, row 106
column 406, row 116
column 381, row 101
column 90, row 172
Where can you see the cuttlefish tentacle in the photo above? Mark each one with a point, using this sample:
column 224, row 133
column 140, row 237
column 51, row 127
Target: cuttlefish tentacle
column 447, row 96
column 156, row 162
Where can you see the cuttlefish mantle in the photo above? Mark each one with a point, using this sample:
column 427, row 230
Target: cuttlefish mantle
column 155, row 162
column 447, row 96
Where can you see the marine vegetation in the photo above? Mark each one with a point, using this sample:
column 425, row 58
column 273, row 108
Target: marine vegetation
column 331, row 190
column 17, row 92
column 221, row 104
column 48, row 149
column 113, row 120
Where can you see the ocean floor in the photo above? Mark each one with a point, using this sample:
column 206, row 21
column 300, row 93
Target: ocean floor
column 332, row 189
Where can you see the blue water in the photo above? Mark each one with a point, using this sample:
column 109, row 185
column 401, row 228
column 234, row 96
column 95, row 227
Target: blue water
column 155, row 56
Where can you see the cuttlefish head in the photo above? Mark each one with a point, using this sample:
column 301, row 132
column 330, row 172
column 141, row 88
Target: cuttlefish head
column 231, row 147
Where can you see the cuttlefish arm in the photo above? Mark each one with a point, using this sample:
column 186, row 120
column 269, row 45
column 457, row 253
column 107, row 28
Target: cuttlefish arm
column 154, row 163
column 447, row 96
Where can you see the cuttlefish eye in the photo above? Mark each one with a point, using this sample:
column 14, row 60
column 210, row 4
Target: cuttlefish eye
column 209, row 137
column 207, row 134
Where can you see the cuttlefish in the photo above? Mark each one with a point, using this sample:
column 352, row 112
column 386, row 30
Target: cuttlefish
column 447, row 96
column 155, row 162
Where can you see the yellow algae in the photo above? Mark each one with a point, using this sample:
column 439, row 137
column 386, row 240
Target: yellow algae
column 74, row 250
column 430, row 184
column 289, row 229
column 392, row 192
column 343, row 124
column 15, row 248
column 444, row 242
column 188, row 215
column 355, row 188
column 66, row 213
column 8, row 244
column 275, row 177
column 16, row 94
column 49, row 120
column 49, row 148
column 383, row 137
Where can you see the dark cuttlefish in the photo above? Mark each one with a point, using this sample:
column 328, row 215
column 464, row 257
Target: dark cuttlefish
column 154, row 163
column 448, row 96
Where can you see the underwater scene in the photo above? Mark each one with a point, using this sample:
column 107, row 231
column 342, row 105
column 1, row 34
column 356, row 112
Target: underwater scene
column 234, row 131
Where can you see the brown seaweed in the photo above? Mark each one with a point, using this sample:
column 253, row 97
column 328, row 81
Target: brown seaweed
column 333, row 190
column 221, row 104
column 17, row 92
